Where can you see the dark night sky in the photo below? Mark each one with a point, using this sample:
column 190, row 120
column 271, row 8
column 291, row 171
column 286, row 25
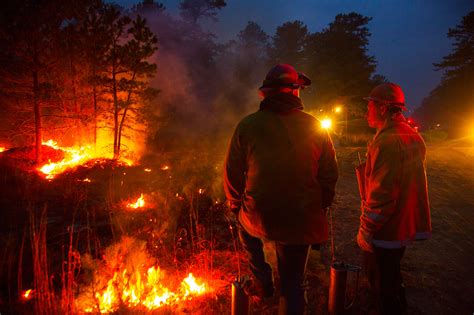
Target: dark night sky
column 408, row 36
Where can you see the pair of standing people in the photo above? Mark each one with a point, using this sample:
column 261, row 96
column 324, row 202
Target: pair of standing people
column 280, row 175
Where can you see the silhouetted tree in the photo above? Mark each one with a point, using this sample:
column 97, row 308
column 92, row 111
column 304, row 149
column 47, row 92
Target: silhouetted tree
column 125, row 67
column 288, row 45
column 339, row 64
column 251, row 52
column 193, row 10
column 31, row 41
column 450, row 104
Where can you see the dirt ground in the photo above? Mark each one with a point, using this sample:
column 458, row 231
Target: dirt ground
column 438, row 273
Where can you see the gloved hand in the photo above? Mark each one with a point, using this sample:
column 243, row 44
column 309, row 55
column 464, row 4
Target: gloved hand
column 364, row 240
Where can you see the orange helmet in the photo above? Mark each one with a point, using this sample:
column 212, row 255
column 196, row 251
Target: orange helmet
column 388, row 93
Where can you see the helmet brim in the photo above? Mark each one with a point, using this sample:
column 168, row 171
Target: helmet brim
column 400, row 105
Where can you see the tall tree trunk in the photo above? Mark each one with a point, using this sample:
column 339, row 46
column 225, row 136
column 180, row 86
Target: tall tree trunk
column 116, row 114
column 77, row 108
column 37, row 111
column 129, row 96
column 94, row 96
column 36, row 104
column 120, row 129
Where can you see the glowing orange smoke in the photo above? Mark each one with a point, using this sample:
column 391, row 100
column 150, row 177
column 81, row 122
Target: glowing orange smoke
column 139, row 203
column 73, row 156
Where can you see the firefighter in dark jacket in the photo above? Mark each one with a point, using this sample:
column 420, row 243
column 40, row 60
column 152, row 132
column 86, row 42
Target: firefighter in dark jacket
column 395, row 208
column 279, row 177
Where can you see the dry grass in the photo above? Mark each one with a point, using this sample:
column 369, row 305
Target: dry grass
column 191, row 233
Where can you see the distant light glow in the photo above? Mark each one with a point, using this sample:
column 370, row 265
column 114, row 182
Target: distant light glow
column 337, row 109
column 326, row 123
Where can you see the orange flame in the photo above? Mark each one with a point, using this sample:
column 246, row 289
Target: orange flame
column 2, row 149
column 27, row 294
column 165, row 168
column 130, row 278
column 73, row 156
column 137, row 290
column 140, row 203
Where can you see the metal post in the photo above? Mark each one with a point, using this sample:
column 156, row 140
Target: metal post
column 240, row 300
column 337, row 288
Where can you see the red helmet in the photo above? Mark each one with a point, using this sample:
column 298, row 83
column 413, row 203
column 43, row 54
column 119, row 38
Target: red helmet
column 388, row 93
column 284, row 75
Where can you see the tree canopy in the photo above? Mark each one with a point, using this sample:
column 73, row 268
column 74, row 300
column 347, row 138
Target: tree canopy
column 450, row 105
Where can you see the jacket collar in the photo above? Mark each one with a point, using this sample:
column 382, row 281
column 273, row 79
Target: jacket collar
column 391, row 122
column 281, row 102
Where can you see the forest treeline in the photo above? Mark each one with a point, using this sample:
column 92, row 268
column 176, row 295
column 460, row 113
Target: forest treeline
column 71, row 70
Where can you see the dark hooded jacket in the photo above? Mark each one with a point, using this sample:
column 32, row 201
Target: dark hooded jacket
column 280, row 173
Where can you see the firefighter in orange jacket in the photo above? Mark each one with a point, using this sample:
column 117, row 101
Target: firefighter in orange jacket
column 395, row 210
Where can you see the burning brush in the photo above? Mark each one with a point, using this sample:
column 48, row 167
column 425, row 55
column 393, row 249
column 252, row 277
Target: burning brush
column 128, row 278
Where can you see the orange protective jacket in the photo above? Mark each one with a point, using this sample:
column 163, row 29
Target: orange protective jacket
column 396, row 207
column 280, row 173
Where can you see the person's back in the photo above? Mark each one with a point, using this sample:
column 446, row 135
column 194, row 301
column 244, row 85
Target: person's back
column 279, row 176
column 286, row 150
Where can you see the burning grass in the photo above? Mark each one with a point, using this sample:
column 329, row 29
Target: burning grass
column 129, row 278
column 72, row 157
column 120, row 238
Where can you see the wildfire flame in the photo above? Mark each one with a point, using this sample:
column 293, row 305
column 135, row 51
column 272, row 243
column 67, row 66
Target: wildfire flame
column 73, row 156
column 2, row 149
column 140, row 203
column 137, row 290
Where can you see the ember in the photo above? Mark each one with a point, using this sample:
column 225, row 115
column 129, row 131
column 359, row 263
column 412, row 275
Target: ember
column 139, row 203
column 27, row 294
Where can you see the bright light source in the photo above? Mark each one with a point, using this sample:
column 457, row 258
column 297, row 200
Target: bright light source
column 326, row 123
column 337, row 109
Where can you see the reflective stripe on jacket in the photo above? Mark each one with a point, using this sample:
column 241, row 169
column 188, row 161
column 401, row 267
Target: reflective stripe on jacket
column 396, row 208
column 280, row 173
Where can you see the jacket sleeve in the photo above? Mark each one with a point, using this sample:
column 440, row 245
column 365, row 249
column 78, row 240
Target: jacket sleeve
column 235, row 167
column 327, row 172
column 382, row 185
